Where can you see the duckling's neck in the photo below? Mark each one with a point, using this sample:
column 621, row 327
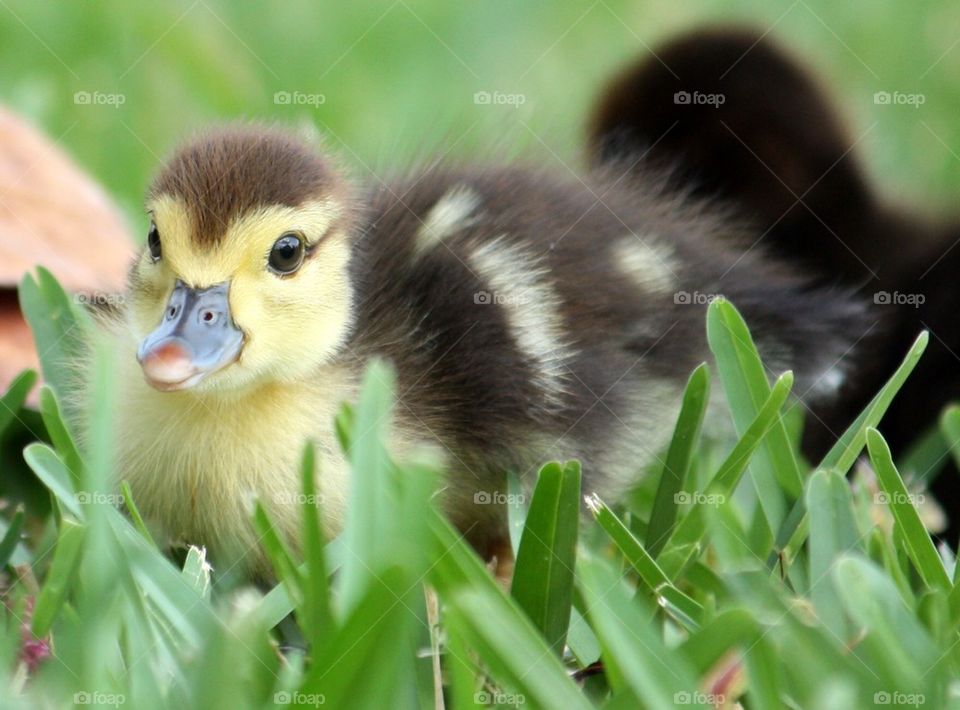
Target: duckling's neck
column 334, row 382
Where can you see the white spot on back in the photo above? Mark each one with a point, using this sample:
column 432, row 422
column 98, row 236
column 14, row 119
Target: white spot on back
column 448, row 215
column 653, row 267
column 520, row 285
column 824, row 380
column 829, row 383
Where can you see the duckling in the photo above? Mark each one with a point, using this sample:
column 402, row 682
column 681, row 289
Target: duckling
column 777, row 151
column 529, row 316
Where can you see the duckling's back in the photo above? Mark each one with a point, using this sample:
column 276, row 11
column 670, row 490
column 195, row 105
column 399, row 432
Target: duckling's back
column 534, row 316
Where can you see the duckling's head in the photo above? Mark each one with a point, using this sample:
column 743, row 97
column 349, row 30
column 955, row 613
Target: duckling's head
column 244, row 277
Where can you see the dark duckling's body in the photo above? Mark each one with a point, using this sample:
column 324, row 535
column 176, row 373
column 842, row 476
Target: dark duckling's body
column 777, row 152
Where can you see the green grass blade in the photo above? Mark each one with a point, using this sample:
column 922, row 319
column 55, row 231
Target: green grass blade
column 55, row 475
column 581, row 639
column 899, row 648
column 919, row 545
column 59, row 581
column 674, row 473
column 456, row 564
column 344, row 424
column 950, row 427
column 276, row 550
column 516, row 510
column 798, row 525
column 371, row 637
column 927, row 456
column 845, row 452
column 134, row 511
column 276, row 604
column 656, row 675
column 765, row 671
column 690, row 531
column 953, row 602
column 735, row 628
column 370, row 485
column 460, row 668
column 173, row 600
column 11, row 538
column 652, row 576
column 512, row 650
column 57, row 330
column 793, row 532
column 543, row 574
column 318, row 616
column 833, row 533
column 493, row 624
column 729, row 540
column 62, row 440
column 15, row 396
column 747, row 388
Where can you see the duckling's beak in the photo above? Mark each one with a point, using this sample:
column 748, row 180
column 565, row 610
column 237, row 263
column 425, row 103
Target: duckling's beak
column 196, row 338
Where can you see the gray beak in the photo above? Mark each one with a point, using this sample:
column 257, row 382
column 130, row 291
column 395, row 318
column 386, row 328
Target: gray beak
column 196, row 338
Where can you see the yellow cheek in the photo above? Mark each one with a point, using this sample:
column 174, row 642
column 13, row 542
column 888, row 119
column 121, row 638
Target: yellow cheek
column 296, row 323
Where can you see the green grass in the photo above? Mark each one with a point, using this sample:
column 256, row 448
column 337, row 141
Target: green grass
column 685, row 600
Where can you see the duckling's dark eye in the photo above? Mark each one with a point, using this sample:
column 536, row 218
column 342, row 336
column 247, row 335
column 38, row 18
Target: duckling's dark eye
column 153, row 242
column 287, row 253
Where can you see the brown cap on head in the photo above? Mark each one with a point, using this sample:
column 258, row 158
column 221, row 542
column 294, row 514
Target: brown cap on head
column 225, row 172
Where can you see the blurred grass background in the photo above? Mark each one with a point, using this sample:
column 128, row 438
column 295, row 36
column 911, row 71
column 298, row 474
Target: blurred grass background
column 398, row 77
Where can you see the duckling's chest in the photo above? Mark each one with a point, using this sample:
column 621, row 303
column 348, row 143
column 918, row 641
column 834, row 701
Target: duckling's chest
column 195, row 465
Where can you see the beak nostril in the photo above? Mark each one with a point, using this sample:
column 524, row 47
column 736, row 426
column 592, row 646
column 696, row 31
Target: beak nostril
column 194, row 339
